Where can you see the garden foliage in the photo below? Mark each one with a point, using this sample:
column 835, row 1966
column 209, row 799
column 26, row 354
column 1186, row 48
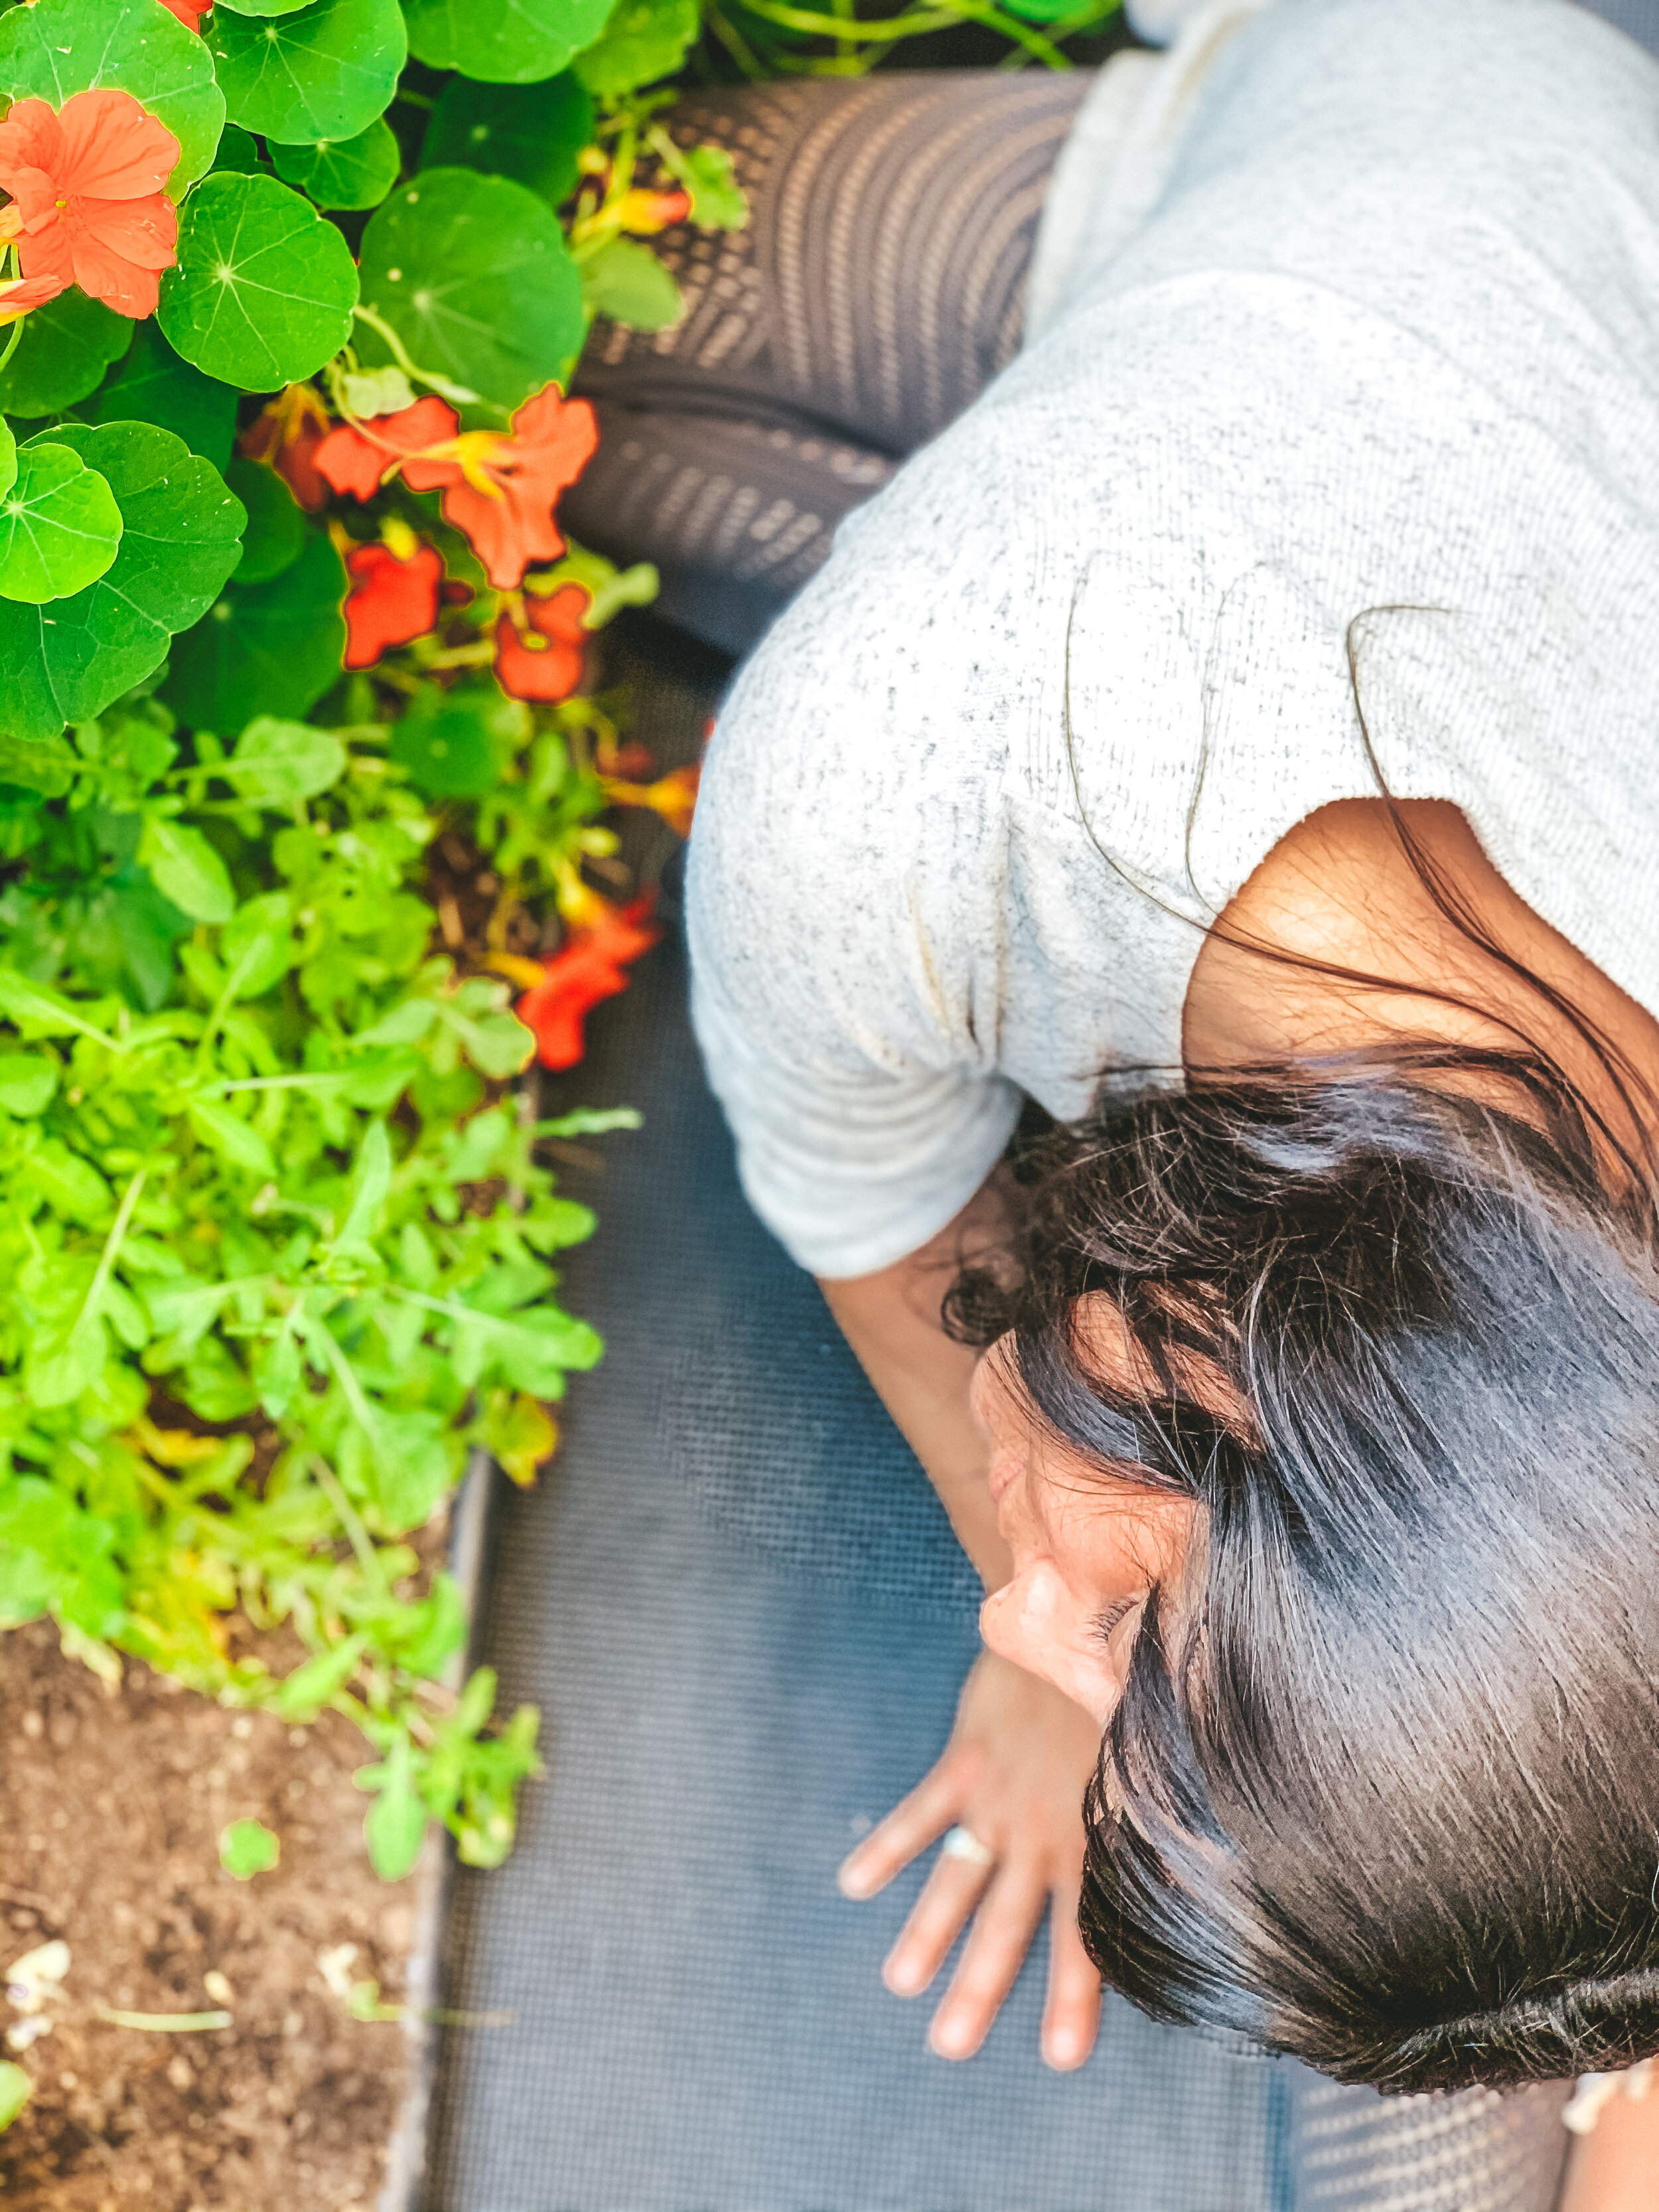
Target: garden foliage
column 292, row 295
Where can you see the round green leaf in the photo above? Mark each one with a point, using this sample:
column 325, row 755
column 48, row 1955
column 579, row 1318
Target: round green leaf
column 58, row 47
column 278, row 763
column 248, row 1848
column 65, row 662
column 59, row 527
column 325, row 71
column 343, row 173
column 264, row 7
column 276, row 526
column 625, row 281
column 153, row 385
column 263, row 290
column 502, row 41
column 185, row 868
column 643, row 39
column 472, row 274
column 66, row 347
column 265, row 649
column 458, row 747
column 7, row 455
column 529, row 132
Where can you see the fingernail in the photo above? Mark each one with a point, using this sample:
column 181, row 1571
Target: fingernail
column 851, row 1881
column 902, row 1979
column 1061, row 2048
column 950, row 2038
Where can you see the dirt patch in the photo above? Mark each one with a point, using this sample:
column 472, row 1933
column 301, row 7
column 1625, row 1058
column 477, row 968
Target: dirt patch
column 111, row 1808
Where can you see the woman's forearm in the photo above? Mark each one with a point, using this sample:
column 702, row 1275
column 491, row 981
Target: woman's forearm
column 1615, row 2167
column 892, row 1320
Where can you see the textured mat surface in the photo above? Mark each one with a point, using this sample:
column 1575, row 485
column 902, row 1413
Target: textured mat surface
column 746, row 1620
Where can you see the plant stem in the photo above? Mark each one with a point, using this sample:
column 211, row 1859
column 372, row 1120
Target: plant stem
column 110, row 1254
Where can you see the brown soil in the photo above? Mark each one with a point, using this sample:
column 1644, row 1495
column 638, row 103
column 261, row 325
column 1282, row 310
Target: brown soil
column 111, row 1807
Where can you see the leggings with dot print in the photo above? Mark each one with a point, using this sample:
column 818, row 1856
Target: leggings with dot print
column 877, row 290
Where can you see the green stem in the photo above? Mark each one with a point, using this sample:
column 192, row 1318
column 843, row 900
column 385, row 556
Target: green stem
column 110, row 1254
column 734, row 43
column 13, row 342
column 329, row 1483
column 165, row 2023
column 1009, row 27
column 912, row 26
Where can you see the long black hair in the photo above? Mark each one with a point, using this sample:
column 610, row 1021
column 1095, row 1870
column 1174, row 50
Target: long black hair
column 1383, row 1788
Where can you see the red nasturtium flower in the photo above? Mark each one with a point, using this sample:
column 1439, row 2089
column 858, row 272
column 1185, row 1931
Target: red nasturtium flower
column 645, row 213
column 86, row 201
column 588, row 966
column 541, row 644
column 290, row 434
column 394, row 595
column 189, row 12
column 498, row 490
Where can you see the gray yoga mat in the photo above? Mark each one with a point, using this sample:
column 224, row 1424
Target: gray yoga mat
column 746, row 1619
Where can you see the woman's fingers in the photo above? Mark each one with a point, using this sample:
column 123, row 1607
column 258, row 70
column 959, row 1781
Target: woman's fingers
column 1072, row 2014
column 937, row 1917
column 1002, row 1933
column 917, row 1821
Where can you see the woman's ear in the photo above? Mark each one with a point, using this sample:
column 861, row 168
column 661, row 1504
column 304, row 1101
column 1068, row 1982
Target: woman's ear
column 1039, row 1624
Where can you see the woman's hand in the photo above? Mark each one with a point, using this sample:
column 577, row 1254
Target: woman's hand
column 1014, row 1774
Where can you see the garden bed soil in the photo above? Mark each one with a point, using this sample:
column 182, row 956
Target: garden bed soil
column 111, row 1808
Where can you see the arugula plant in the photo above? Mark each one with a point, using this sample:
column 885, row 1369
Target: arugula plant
column 276, row 1251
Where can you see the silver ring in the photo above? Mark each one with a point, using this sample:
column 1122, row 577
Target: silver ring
column 963, row 1844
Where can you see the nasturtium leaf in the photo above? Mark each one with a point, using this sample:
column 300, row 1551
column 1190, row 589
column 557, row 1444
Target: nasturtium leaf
column 58, row 47
column 626, row 281
column 529, row 132
column 642, row 40
column 276, row 523
column 153, row 385
column 325, row 71
column 278, row 763
column 455, row 743
column 248, row 1848
column 65, row 661
column 264, row 6
column 394, row 1826
column 256, row 945
column 342, row 173
column 265, row 649
column 59, row 527
column 66, row 347
column 185, row 868
column 263, row 290
column 8, row 456
column 718, row 200
column 502, row 41
column 472, row 274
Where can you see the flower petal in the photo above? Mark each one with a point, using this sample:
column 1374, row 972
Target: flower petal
column 113, row 148
column 391, row 602
column 30, row 138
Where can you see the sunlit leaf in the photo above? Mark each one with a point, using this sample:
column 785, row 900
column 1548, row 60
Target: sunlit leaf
column 66, row 660
column 265, row 288
column 324, row 71
column 59, row 525
column 248, row 1848
column 277, row 764
column 185, row 868
column 473, row 273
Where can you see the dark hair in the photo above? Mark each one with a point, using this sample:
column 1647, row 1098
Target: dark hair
column 1383, row 1788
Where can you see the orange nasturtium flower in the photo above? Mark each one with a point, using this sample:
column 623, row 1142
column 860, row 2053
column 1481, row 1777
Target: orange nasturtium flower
column 22, row 292
column 289, row 433
column 645, row 213
column 87, row 203
column 394, row 595
column 541, row 644
column 189, row 12
column 588, row 966
column 500, row 489
column 674, row 796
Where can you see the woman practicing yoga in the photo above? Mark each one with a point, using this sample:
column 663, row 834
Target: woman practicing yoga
column 1234, row 731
